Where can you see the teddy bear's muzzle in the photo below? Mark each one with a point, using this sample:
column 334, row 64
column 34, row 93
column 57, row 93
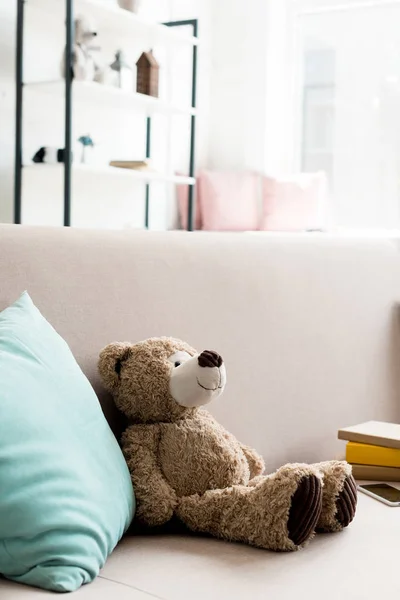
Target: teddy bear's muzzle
column 198, row 380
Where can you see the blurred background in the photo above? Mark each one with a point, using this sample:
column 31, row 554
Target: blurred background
column 297, row 115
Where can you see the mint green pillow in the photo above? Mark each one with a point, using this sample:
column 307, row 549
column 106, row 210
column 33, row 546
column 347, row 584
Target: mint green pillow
column 66, row 497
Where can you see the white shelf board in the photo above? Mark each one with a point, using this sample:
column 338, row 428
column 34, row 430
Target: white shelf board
column 106, row 170
column 91, row 92
column 112, row 18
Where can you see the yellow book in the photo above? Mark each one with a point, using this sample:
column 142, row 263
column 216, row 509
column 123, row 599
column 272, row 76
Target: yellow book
column 367, row 454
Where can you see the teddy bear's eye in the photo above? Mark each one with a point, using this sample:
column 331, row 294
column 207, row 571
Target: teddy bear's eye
column 178, row 358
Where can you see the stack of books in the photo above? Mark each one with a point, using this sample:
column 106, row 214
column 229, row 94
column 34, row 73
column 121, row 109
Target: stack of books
column 373, row 449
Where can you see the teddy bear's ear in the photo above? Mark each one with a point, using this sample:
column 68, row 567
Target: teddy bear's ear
column 110, row 363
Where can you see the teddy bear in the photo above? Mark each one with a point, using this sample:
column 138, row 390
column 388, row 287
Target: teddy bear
column 84, row 66
column 185, row 465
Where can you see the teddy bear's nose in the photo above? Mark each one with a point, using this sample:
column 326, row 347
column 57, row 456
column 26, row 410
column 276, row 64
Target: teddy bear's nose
column 209, row 358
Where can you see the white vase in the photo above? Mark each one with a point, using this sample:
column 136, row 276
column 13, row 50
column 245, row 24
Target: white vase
column 131, row 5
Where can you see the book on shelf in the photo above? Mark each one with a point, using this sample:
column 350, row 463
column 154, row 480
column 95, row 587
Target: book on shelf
column 136, row 165
column 377, row 433
column 375, row 473
column 368, row 454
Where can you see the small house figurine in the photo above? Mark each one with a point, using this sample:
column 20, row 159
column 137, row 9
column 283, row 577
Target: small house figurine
column 123, row 72
column 147, row 75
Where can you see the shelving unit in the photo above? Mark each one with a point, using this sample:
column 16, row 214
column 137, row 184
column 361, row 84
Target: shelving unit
column 108, row 18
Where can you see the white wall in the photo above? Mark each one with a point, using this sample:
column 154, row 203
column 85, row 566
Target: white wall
column 102, row 202
column 238, row 84
column 251, row 88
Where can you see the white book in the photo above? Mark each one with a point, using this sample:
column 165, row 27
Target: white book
column 377, row 433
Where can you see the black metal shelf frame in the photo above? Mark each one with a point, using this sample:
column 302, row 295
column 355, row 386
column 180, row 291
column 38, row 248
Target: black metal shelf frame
column 69, row 44
column 192, row 165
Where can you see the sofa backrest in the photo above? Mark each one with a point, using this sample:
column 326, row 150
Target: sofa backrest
column 306, row 323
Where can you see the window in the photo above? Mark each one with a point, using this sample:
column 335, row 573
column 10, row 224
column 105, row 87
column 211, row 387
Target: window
column 318, row 110
column 345, row 65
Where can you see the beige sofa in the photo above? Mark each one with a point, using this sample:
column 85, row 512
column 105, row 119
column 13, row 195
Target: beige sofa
column 307, row 327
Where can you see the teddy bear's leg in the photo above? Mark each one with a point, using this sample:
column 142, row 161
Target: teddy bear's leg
column 339, row 498
column 279, row 513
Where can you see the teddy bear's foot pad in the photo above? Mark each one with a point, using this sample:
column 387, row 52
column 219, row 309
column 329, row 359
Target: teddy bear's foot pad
column 305, row 510
column 347, row 502
column 339, row 497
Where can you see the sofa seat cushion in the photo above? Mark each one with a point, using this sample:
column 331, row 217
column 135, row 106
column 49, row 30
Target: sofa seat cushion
column 359, row 563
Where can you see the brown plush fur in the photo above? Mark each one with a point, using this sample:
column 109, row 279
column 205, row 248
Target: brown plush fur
column 183, row 463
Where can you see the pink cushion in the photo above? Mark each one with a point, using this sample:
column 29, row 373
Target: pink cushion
column 293, row 204
column 229, row 200
column 183, row 198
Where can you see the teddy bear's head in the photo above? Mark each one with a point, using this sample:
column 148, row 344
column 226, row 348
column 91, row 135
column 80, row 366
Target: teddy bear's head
column 160, row 379
column 85, row 31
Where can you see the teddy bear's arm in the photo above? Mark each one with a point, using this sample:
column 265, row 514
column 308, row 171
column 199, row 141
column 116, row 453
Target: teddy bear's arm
column 256, row 462
column 156, row 500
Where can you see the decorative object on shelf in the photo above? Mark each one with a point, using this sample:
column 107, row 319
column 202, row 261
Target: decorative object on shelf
column 131, row 5
column 147, row 74
column 86, row 142
column 123, row 74
column 83, row 64
column 135, row 165
column 49, row 155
